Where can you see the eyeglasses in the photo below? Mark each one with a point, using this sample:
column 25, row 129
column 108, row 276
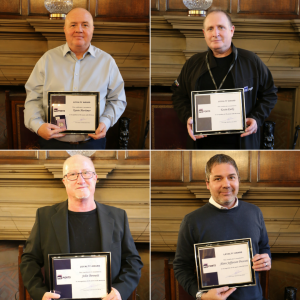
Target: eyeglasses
column 85, row 175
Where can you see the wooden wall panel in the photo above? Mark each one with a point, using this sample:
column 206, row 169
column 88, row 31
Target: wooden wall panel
column 9, row 156
column 199, row 160
column 270, row 9
column 269, row 6
column 166, row 166
column 137, row 155
column 279, row 166
column 155, row 4
column 49, row 157
column 37, row 7
column 12, row 7
column 26, row 184
column 276, row 192
column 98, row 155
column 108, row 10
column 116, row 9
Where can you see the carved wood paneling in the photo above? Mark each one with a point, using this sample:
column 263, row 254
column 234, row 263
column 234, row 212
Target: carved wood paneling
column 98, row 155
column 37, row 7
column 10, row 7
column 129, row 9
column 199, row 160
column 279, row 166
column 269, row 6
column 166, row 166
column 155, row 5
column 101, row 158
column 277, row 9
column 33, row 180
column 137, row 154
column 278, row 195
column 18, row 156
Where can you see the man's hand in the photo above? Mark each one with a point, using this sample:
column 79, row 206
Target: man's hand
column 190, row 130
column 100, row 132
column 113, row 295
column 261, row 262
column 49, row 131
column 49, row 296
column 218, row 294
column 252, row 127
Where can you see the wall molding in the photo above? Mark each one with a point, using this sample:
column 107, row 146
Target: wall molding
column 26, row 187
column 23, row 42
column 280, row 207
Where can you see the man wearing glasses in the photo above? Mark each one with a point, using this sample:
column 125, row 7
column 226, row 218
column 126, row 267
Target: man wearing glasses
column 80, row 225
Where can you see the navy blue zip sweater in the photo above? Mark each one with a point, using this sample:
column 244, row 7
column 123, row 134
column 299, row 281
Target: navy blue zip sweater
column 210, row 224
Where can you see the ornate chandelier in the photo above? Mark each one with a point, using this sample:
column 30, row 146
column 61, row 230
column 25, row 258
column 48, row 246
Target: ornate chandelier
column 197, row 8
column 87, row 153
column 58, row 8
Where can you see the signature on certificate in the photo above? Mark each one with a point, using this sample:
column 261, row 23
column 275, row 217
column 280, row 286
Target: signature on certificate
column 229, row 120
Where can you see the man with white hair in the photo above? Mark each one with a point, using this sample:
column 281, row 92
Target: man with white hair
column 80, row 225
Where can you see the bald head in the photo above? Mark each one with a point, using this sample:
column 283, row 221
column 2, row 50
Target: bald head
column 74, row 161
column 78, row 11
column 79, row 30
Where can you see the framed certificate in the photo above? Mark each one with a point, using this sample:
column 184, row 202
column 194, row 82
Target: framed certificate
column 218, row 112
column 80, row 275
column 226, row 263
column 77, row 113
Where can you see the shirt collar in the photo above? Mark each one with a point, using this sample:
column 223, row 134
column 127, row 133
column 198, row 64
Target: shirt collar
column 217, row 205
column 89, row 50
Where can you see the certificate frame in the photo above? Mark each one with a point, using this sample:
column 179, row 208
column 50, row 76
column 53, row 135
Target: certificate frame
column 211, row 281
column 66, row 256
column 55, row 98
column 205, row 125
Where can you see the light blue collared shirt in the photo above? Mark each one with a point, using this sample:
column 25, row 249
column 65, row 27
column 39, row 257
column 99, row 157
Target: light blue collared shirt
column 60, row 70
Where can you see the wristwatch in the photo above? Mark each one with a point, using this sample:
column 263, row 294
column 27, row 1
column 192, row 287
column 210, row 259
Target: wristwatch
column 199, row 294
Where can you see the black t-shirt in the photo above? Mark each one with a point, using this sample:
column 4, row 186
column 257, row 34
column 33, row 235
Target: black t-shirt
column 84, row 231
column 225, row 141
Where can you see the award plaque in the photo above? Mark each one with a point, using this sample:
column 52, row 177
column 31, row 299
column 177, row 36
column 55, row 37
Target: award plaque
column 226, row 263
column 77, row 113
column 80, row 275
column 218, row 112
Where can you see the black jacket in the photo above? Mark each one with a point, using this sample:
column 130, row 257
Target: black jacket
column 248, row 71
column 49, row 235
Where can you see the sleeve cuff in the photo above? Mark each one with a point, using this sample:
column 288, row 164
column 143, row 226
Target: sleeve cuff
column 36, row 125
column 106, row 121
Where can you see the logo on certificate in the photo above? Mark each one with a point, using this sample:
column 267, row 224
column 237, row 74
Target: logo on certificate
column 201, row 111
column 63, row 277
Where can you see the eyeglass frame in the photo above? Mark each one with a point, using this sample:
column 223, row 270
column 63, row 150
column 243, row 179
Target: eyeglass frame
column 78, row 175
